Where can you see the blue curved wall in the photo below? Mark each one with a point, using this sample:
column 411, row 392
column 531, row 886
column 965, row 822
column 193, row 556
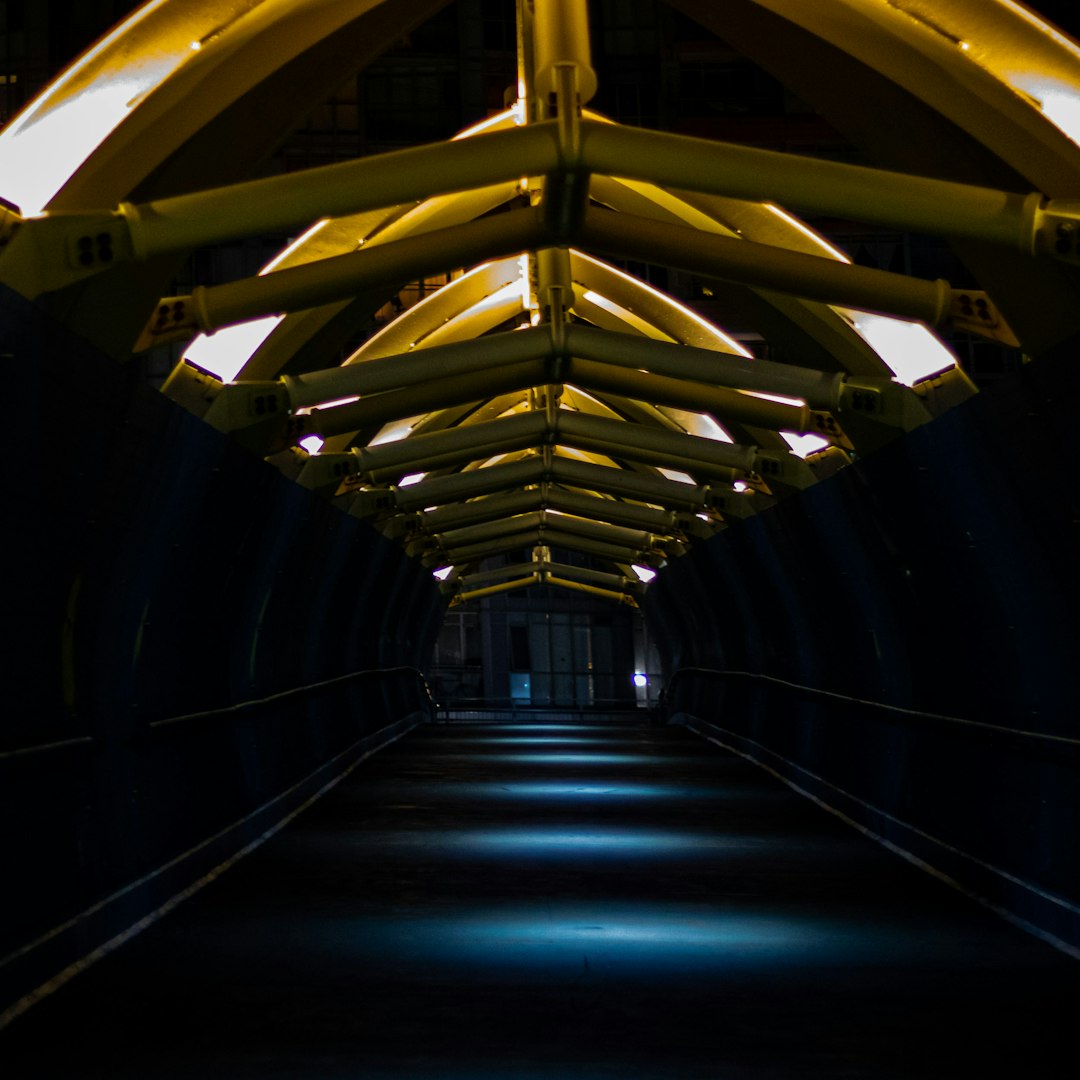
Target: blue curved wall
column 153, row 569
column 939, row 575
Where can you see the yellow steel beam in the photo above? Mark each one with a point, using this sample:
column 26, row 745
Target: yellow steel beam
column 854, row 192
column 339, row 277
column 547, row 578
column 426, row 395
column 808, row 277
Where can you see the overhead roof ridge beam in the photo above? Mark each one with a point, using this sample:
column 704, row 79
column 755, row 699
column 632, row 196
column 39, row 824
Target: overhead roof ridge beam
column 697, row 396
column 341, row 277
column 636, row 485
column 375, row 410
column 854, row 192
column 543, row 519
column 480, row 577
column 463, row 515
column 619, row 438
column 594, row 577
column 615, row 553
column 580, row 573
column 621, row 556
column 820, row 389
column 664, row 522
column 492, row 590
column 444, row 490
column 406, row 369
column 547, row 578
column 808, row 277
column 294, row 200
column 444, row 449
column 441, row 490
column 547, row 496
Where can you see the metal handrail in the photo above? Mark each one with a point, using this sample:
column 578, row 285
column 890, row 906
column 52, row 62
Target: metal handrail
column 295, row 692
column 981, row 727
column 81, row 742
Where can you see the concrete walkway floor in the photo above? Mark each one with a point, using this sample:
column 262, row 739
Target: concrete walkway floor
column 573, row 902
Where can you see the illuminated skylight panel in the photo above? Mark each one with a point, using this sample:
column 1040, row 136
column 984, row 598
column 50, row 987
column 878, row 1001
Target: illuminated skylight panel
column 226, row 352
column 623, row 315
column 1034, row 71
column 815, row 238
column 396, row 431
column 49, row 142
column 300, row 242
column 909, row 349
column 514, row 116
column 698, row 424
column 1061, row 106
column 729, row 344
column 679, row 477
column 804, row 445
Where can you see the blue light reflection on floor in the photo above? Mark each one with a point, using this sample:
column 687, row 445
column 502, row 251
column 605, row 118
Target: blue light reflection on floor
column 571, row 792
column 545, row 843
column 583, row 759
column 541, row 740
column 612, row 940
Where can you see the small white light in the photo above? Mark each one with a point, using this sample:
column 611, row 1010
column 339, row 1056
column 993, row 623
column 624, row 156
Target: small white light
column 644, row 573
column 312, row 443
column 413, row 478
column 640, row 679
column 442, row 574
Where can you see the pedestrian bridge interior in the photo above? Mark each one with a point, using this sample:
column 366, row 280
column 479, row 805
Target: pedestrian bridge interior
column 497, row 361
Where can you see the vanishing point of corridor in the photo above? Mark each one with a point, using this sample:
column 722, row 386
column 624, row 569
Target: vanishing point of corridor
column 569, row 901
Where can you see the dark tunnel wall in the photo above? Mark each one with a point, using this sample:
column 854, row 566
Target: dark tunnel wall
column 940, row 575
column 153, row 569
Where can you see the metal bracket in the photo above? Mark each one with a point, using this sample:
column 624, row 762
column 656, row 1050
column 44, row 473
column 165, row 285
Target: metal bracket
column 973, row 310
column 256, row 414
column 192, row 387
column 1057, row 230
column 42, row 254
column 325, row 472
column 882, row 400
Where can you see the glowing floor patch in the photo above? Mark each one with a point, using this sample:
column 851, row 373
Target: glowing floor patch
column 597, row 843
column 584, row 759
column 645, row 941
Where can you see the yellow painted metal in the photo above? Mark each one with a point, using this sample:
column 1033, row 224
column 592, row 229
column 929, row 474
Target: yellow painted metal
column 493, row 590
column 560, row 31
column 394, row 372
column 808, row 277
column 421, row 453
column 542, row 520
column 821, row 390
column 653, row 489
column 444, row 490
column 877, row 196
column 165, row 81
column 280, row 203
column 991, row 67
column 612, row 410
column 616, row 583
column 436, row 392
column 496, row 508
column 695, row 395
column 619, row 597
column 328, row 280
column 620, row 556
